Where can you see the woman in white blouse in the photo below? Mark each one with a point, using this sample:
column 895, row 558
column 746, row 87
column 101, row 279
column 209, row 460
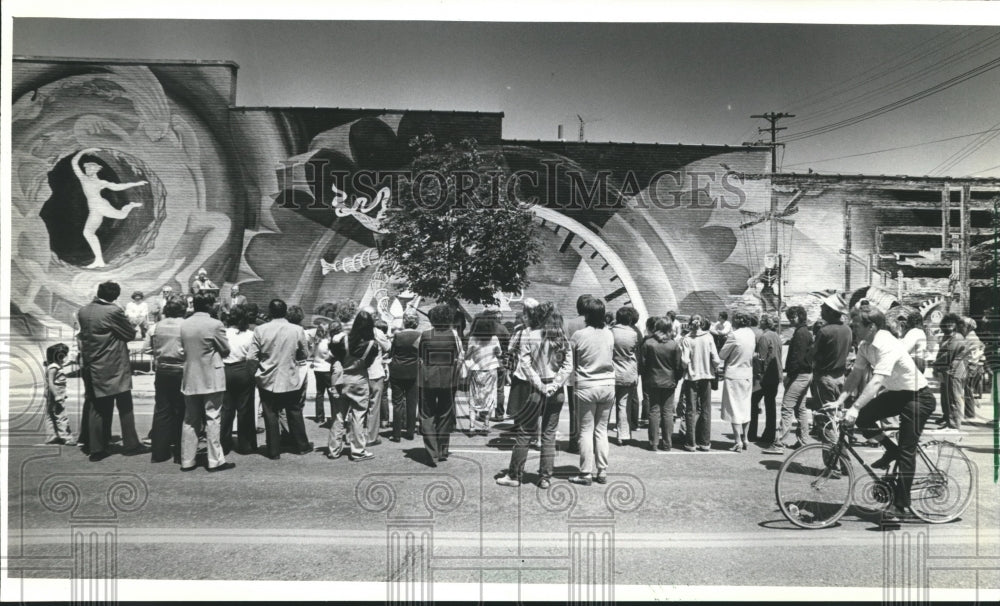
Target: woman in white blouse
column 482, row 359
column 238, row 401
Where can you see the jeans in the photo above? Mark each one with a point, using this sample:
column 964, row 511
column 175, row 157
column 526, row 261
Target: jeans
column 661, row 415
column 827, row 388
column 625, row 402
column 322, row 385
column 404, row 406
column 699, row 413
column 437, row 420
column 793, row 405
column 501, row 380
column 376, row 387
column 548, row 408
column 201, row 412
column 952, row 400
column 594, row 410
column 574, row 421
column 768, row 393
column 56, row 420
column 168, row 415
column 519, row 392
column 348, row 411
column 913, row 409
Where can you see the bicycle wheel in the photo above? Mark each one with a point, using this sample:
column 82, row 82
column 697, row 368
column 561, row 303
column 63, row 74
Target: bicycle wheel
column 813, row 488
column 942, row 491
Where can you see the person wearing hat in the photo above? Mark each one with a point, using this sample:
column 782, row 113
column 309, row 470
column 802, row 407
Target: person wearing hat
column 202, row 282
column 830, row 349
column 137, row 313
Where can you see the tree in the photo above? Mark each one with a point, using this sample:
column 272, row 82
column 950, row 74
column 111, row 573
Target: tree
column 455, row 230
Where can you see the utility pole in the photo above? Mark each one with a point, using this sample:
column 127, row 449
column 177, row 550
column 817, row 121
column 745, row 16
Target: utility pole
column 578, row 117
column 772, row 118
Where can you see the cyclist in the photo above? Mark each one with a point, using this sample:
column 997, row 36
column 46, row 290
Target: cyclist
column 896, row 388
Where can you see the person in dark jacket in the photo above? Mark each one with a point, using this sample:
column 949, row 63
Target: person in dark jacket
column 767, row 376
column 441, row 353
column 798, row 376
column 106, row 372
column 404, row 355
column 829, row 354
column 660, row 366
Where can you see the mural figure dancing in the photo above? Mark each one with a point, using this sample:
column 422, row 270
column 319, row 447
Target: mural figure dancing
column 97, row 206
column 765, row 283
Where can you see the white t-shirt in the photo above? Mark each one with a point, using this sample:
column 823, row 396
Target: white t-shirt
column 887, row 357
column 239, row 344
column 915, row 343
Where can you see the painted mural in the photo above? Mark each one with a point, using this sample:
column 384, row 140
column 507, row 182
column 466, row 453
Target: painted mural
column 145, row 173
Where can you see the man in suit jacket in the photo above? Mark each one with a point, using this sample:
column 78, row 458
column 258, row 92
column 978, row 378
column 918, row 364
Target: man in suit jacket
column 277, row 347
column 107, row 372
column 205, row 345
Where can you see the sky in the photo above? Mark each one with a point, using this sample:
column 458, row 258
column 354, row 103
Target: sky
column 692, row 83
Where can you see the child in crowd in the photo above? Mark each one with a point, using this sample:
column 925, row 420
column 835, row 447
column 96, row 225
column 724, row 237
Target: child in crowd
column 57, row 421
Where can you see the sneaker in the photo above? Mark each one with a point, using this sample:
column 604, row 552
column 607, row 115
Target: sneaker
column 704, row 448
column 775, row 449
column 895, row 514
column 581, row 480
column 544, row 483
column 602, row 478
column 506, row 480
column 222, row 467
column 689, row 448
column 364, row 455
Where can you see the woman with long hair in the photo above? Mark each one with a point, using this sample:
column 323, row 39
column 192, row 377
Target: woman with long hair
column 356, row 352
column 238, row 400
column 547, row 360
column 482, row 359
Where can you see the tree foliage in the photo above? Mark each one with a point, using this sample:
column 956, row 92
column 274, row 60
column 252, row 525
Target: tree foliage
column 455, row 230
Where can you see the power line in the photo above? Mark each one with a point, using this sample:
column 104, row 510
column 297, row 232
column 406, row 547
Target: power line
column 967, row 150
column 888, row 149
column 891, row 87
column 925, row 46
column 937, row 88
column 983, row 171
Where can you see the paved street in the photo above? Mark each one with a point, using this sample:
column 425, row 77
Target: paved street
column 673, row 518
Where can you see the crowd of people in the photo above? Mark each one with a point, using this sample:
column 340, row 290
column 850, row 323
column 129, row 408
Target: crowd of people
column 215, row 364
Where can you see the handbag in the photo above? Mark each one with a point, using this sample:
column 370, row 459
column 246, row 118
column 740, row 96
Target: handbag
column 513, row 355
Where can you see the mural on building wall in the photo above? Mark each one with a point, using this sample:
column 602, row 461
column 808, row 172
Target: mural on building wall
column 171, row 178
column 112, row 179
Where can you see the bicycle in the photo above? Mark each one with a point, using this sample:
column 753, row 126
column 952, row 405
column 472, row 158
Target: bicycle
column 816, row 484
